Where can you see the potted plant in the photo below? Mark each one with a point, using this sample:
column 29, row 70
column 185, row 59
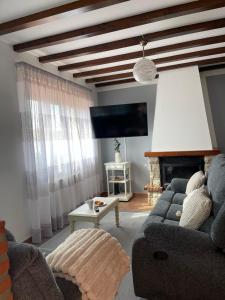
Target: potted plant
column 118, row 158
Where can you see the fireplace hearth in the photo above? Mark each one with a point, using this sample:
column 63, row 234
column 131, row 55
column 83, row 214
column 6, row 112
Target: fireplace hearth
column 179, row 167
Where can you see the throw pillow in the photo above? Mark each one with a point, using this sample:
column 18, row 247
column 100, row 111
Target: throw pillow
column 195, row 182
column 196, row 209
column 5, row 281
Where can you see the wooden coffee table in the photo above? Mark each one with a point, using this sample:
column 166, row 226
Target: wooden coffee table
column 85, row 214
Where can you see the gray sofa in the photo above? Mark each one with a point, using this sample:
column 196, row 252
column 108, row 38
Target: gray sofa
column 31, row 277
column 171, row 262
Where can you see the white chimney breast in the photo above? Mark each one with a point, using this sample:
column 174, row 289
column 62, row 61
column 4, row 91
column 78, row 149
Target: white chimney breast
column 180, row 122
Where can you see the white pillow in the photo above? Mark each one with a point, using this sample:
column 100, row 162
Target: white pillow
column 196, row 209
column 195, row 182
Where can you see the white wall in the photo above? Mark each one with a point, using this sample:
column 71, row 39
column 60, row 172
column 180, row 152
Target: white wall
column 215, row 80
column 180, row 117
column 13, row 208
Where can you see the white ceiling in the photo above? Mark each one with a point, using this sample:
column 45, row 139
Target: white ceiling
column 11, row 9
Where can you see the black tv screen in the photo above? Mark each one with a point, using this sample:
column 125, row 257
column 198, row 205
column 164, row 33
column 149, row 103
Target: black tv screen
column 119, row 120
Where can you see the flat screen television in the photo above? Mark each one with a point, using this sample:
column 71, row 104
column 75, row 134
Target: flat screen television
column 123, row 120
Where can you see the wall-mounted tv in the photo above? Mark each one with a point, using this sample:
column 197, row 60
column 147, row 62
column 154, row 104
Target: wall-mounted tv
column 123, row 120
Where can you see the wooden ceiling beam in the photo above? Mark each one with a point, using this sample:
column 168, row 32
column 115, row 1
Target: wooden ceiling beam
column 124, row 23
column 109, row 77
column 105, row 60
column 103, row 71
column 195, row 54
column 155, row 36
column 204, row 62
column 173, row 47
column 128, row 80
column 50, row 14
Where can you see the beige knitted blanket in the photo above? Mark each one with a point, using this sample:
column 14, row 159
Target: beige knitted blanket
column 92, row 259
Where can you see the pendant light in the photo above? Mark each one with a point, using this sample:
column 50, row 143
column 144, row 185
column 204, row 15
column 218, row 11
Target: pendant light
column 144, row 70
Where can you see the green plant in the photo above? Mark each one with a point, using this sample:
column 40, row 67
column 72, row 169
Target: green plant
column 116, row 145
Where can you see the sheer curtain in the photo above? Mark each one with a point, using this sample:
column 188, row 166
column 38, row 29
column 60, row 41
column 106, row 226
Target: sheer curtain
column 61, row 158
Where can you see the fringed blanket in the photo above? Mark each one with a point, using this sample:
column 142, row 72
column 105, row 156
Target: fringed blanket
column 92, row 259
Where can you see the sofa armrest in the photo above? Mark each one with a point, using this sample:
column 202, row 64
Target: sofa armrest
column 178, row 185
column 179, row 238
column 168, row 187
column 30, row 274
column 9, row 236
column 69, row 289
column 176, row 260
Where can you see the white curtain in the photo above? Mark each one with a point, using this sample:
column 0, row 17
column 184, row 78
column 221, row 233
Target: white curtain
column 61, row 157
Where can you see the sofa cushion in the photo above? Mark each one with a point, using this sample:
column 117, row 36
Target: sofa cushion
column 218, row 229
column 195, row 182
column 171, row 214
column 196, row 209
column 161, row 208
column 167, row 196
column 171, row 222
column 178, row 185
column 151, row 219
column 206, row 226
column 178, row 198
column 165, row 210
column 216, row 182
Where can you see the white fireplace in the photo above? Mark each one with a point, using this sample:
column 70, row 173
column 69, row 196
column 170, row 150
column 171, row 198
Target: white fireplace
column 181, row 119
column 181, row 127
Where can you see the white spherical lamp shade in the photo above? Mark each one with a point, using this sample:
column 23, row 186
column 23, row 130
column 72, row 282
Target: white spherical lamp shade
column 144, row 70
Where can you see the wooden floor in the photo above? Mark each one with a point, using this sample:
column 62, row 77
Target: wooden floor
column 138, row 203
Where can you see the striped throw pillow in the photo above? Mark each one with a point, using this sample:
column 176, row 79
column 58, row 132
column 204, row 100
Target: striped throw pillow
column 195, row 182
column 196, row 209
column 5, row 281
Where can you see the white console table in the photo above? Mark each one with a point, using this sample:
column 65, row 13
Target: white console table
column 113, row 171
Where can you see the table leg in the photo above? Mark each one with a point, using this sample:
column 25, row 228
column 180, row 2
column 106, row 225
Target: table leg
column 117, row 215
column 72, row 226
column 97, row 224
column 150, row 198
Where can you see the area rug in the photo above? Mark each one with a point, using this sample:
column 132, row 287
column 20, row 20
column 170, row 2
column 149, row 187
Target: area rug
column 130, row 226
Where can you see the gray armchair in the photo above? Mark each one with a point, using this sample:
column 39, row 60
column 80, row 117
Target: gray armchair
column 171, row 262
column 31, row 277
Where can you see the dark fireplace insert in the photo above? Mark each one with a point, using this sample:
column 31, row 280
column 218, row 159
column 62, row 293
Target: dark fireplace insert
column 179, row 167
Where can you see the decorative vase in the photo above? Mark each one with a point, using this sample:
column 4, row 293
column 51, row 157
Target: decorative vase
column 118, row 158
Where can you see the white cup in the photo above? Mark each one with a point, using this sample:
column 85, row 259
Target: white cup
column 90, row 203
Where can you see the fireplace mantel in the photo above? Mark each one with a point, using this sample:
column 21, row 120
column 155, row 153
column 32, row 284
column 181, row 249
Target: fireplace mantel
column 183, row 153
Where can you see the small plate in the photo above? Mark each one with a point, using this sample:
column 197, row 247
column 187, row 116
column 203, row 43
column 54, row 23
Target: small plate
column 104, row 204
